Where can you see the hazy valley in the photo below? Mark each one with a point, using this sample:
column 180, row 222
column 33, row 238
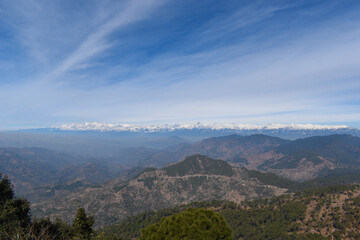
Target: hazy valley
column 118, row 186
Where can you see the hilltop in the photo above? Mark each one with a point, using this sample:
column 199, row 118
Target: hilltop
column 198, row 164
column 196, row 178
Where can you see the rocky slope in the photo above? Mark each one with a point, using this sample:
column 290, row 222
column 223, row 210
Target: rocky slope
column 196, row 178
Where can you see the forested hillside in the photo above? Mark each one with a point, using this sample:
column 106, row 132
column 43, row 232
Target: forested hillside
column 326, row 213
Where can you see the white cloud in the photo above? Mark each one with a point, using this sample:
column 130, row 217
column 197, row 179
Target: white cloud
column 97, row 41
column 305, row 77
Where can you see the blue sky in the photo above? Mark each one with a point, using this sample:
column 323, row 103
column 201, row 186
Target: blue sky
column 163, row 61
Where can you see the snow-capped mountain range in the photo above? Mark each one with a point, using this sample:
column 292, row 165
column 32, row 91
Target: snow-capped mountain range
column 106, row 127
column 199, row 130
column 203, row 130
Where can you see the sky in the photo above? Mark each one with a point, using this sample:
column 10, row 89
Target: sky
column 167, row 61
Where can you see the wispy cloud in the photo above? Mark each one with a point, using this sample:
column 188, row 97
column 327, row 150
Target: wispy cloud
column 123, row 61
column 97, row 41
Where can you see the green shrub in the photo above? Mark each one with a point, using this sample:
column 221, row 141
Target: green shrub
column 190, row 224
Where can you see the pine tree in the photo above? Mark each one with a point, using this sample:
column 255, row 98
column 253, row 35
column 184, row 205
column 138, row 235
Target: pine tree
column 14, row 212
column 83, row 225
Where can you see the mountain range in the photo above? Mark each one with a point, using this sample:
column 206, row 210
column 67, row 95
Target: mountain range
column 202, row 130
column 301, row 159
column 112, row 188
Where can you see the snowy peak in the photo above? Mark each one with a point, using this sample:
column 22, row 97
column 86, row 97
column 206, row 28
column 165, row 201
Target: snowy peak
column 105, row 127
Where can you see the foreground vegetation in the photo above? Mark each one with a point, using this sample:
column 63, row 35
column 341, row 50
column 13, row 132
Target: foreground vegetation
column 326, row 213
column 15, row 221
column 199, row 224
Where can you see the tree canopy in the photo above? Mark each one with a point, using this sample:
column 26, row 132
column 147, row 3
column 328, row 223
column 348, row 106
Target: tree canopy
column 15, row 221
column 190, row 224
column 83, row 224
column 14, row 212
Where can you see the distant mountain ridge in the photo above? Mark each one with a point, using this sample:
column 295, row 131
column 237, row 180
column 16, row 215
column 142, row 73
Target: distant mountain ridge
column 30, row 168
column 344, row 147
column 307, row 158
column 291, row 131
column 300, row 160
column 235, row 148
